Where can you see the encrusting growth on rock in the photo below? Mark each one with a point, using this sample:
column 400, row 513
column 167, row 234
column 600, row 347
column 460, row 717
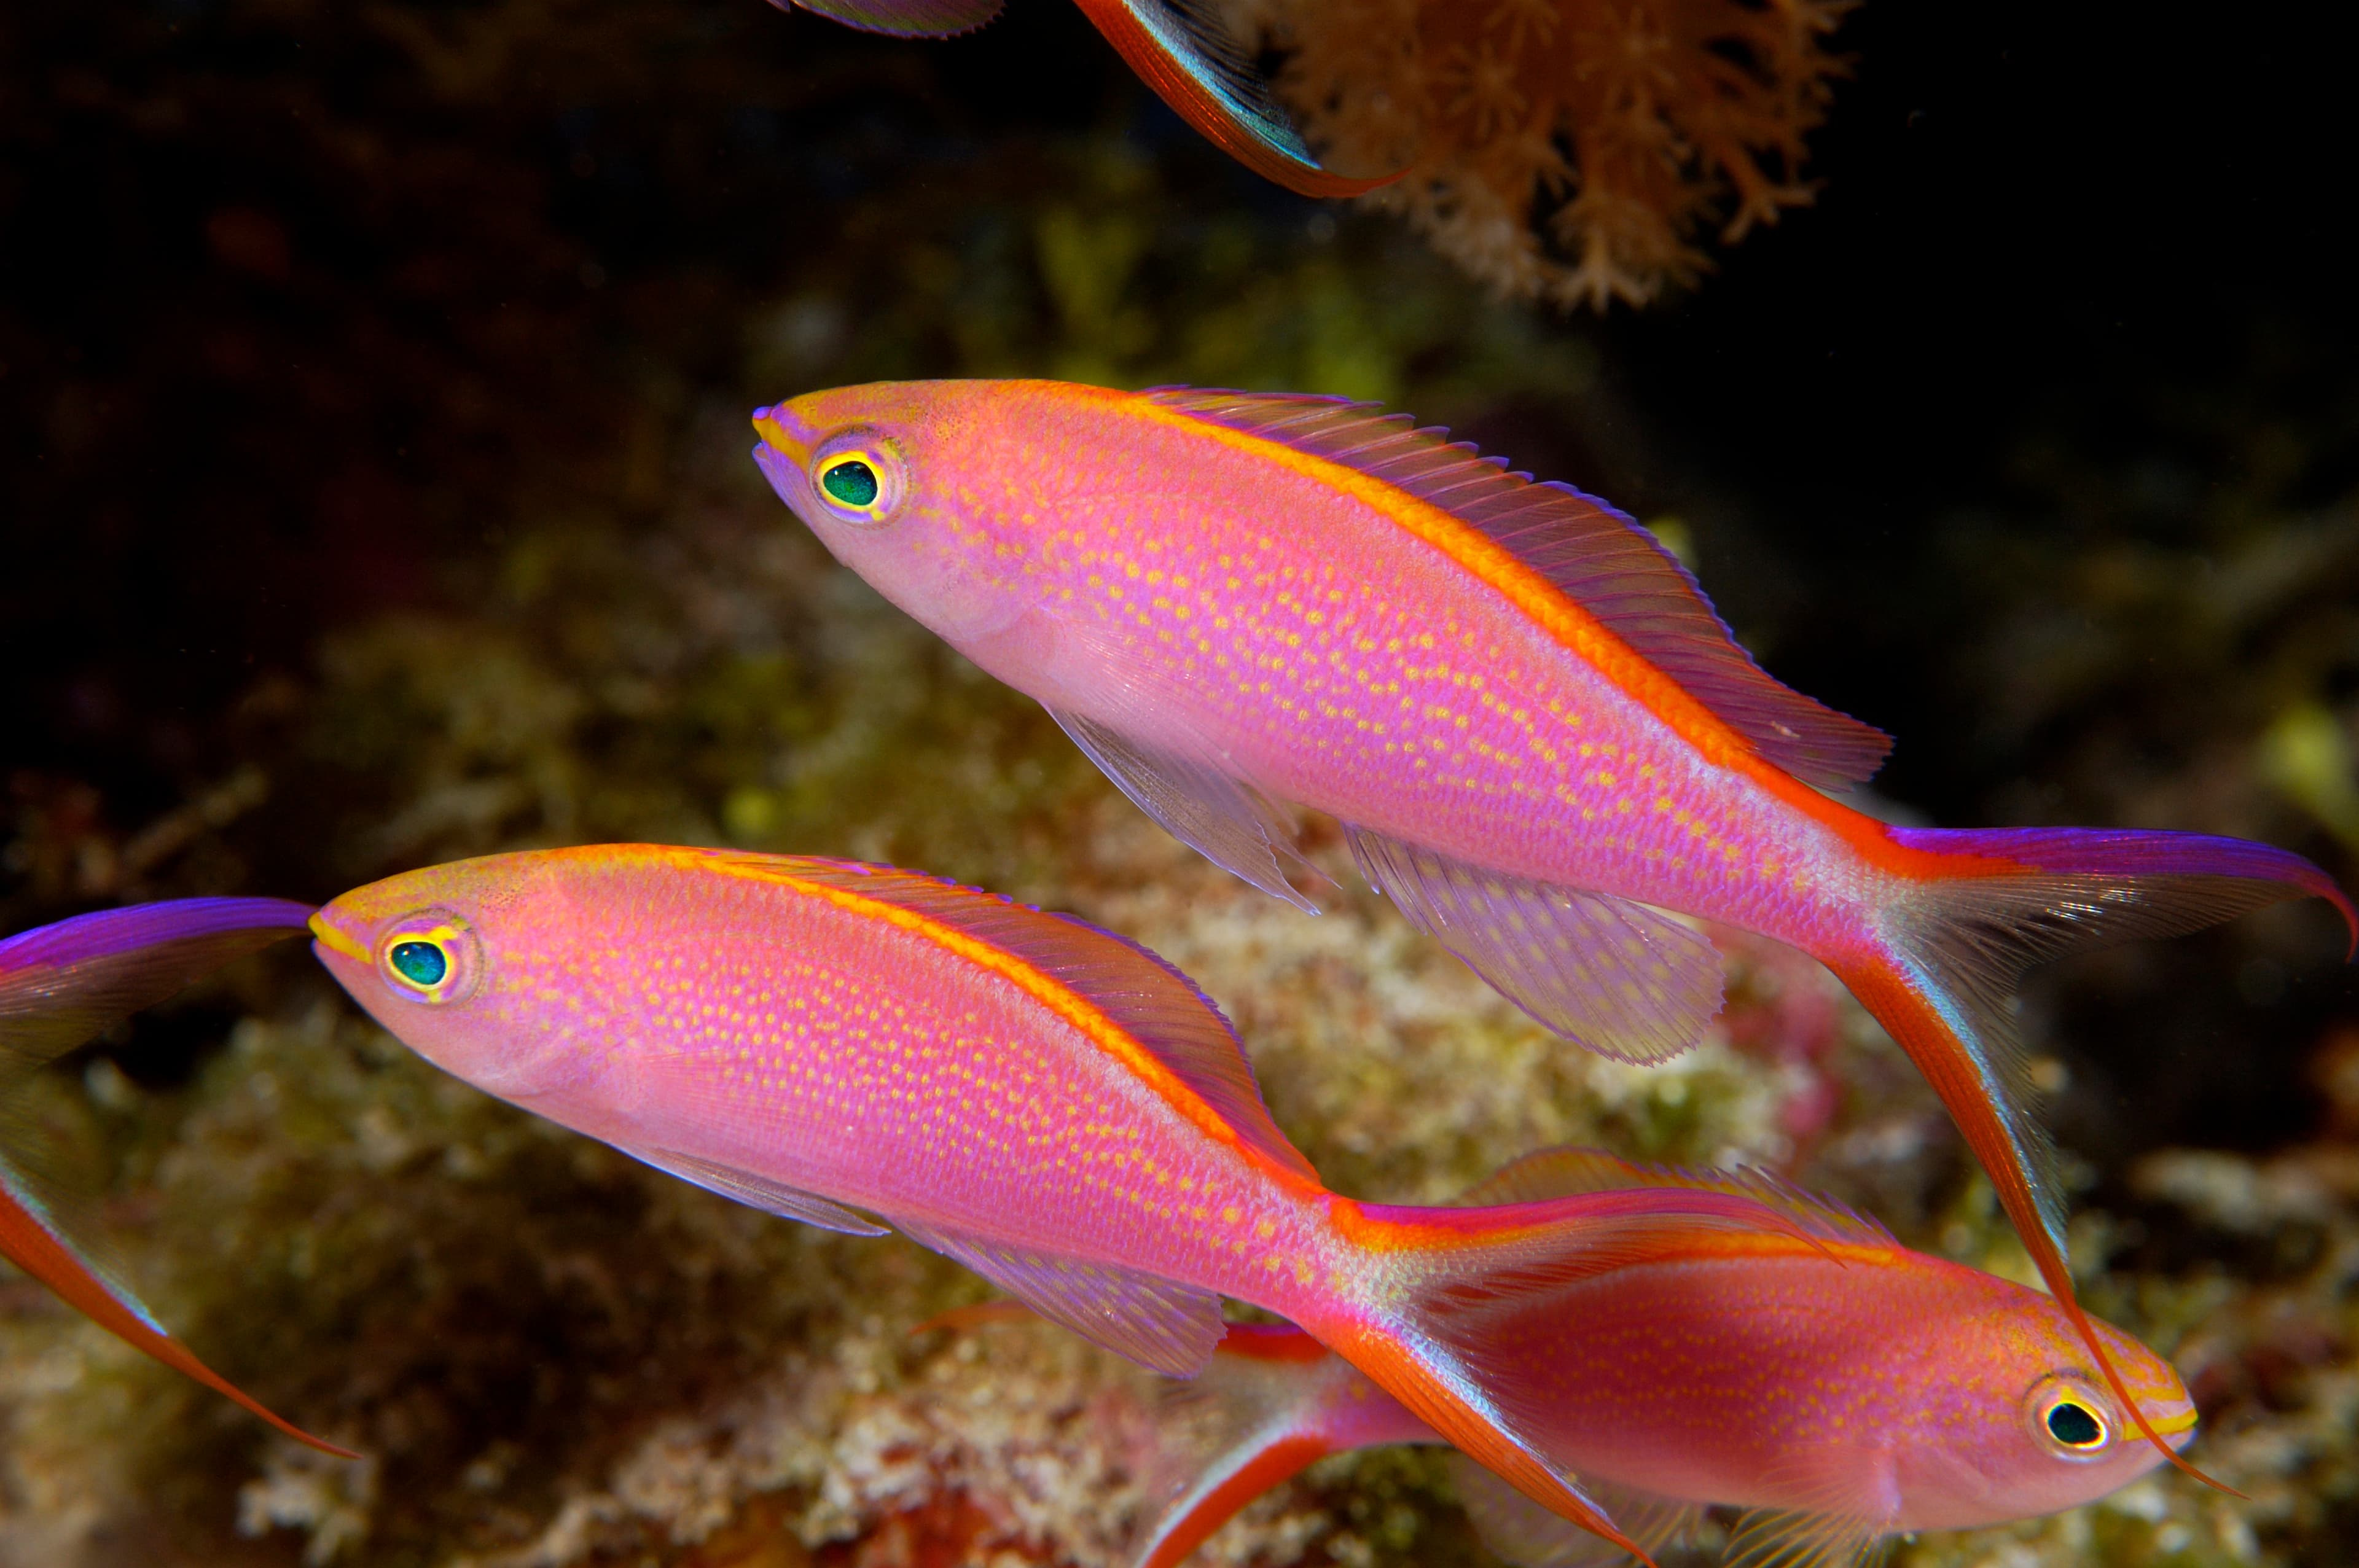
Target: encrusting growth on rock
column 1568, row 150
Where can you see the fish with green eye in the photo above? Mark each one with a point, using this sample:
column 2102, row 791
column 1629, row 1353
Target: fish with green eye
column 423, row 963
column 850, row 481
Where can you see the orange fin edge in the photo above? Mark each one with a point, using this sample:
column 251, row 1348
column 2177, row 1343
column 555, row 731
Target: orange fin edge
column 33, row 1248
column 1927, row 1041
column 1431, row 1401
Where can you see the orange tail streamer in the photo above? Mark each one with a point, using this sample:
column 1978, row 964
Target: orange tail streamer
column 1478, row 1434
column 29, row 1245
column 1919, row 1029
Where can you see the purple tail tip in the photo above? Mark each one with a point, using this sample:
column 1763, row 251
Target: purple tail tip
column 109, row 933
column 2130, row 853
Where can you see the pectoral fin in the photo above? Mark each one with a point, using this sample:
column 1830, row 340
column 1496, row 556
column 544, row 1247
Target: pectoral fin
column 1165, row 1327
column 760, row 1192
column 1205, row 808
column 1614, row 976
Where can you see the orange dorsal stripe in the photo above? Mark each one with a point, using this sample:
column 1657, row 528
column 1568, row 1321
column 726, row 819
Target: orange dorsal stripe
column 1057, row 998
column 1566, row 623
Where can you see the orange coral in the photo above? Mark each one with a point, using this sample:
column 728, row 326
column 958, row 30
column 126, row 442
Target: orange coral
column 1570, row 150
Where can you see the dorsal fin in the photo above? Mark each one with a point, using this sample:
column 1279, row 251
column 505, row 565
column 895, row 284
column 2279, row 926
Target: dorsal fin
column 1561, row 1172
column 1150, row 1002
column 1595, row 555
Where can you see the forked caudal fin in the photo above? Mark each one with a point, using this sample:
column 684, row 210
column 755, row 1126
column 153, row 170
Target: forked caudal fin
column 1455, row 1276
column 1952, row 944
column 1272, row 1402
column 60, row 985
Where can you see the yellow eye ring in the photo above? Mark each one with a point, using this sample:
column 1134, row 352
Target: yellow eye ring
column 850, row 481
column 2075, row 1426
column 857, row 477
column 430, row 957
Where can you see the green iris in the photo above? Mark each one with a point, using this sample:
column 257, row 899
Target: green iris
column 2075, row 1426
column 850, row 481
column 423, row 965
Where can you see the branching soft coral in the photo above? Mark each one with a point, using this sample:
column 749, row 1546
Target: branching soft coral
column 1571, row 150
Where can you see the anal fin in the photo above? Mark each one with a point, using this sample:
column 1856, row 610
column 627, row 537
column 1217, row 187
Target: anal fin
column 760, row 1192
column 1777, row 1538
column 1210, row 810
column 1165, row 1327
column 1614, row 976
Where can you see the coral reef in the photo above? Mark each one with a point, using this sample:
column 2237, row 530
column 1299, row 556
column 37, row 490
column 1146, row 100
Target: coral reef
column 379, row 496
column 1567, row 150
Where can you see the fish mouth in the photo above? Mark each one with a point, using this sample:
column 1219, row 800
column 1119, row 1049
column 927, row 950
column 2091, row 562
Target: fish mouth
column 2177, row 1424
column 336, row 940
column 785, row 433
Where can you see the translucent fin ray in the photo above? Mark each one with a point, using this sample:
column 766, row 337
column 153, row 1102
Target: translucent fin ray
column 1563, row 1172
column 1489, row 1268
column 1777, row 1538
column 60, row 985
column 1250, row 1421
column 1153, row 1004
column 1954, row 941
column 1165, row 1327
column 1227, row 822
column 1595, row 555
column 1522, row 1532
column 902, row 18
column 760, row 1192
column 1611, row 975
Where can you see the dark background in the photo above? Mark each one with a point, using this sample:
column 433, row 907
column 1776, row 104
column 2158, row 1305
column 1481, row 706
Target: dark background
column 291, row 293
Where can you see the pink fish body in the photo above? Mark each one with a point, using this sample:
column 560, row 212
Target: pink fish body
column 1044, row 1102
column 1840, row 1385
column 1535, row 733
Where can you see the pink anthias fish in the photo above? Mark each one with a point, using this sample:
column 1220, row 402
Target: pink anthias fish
column 1535, row 731
column 1836, row 1384
column 1046, row 1103
column 59, row 985
column 1178, row 47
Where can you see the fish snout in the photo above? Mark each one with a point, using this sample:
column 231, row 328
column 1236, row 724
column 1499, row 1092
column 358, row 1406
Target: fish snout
column 785, row 433
column 2173, row 1421
column 338, row 937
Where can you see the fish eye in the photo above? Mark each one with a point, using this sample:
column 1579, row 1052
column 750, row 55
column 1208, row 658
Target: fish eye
column 2069, row 1417
column 850, row 481
column 2075, row 1426
column 430, row 957
column 858, row 476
